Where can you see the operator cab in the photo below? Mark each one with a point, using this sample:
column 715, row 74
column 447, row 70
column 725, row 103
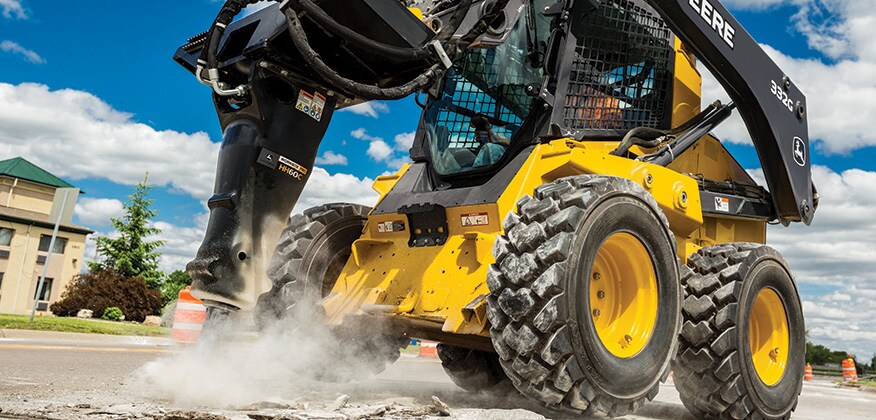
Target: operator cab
column 619, row 78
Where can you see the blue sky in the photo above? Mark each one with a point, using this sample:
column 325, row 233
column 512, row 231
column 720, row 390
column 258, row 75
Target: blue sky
column 89, row 91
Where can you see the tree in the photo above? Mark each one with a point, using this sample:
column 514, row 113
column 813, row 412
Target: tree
column 175, row 282
column 130, row 254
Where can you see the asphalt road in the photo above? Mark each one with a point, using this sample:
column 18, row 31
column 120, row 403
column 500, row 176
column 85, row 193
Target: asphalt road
column 61, row 379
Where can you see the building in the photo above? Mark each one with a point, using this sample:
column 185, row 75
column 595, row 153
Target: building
column 30, row 201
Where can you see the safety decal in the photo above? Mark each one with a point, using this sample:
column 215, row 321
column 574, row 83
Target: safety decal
column 311, row 104
column 283, row 164
column 722, row 204
column 475, row 219
column 391, row 226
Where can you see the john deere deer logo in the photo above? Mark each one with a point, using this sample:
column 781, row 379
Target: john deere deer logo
column 799, row 151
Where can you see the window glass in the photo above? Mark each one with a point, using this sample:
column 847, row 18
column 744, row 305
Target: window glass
column 6, row 236
column 481, row 104
column 60, row 244
column 46, row 294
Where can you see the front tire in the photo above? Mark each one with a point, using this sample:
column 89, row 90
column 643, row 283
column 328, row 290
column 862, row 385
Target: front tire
column 569, row 332
column 311, row 254
column 742, row 346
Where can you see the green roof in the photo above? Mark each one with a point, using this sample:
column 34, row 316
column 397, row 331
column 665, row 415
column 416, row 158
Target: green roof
column 22, row 169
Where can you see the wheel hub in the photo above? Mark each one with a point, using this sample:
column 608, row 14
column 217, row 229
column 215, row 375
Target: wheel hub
column 623, row 295
column 768, row 336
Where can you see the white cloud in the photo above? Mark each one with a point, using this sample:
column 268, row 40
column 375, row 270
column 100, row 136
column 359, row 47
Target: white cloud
column 404, row 141
column 76, row 135
column 94, row 212
column 15, row 48
column 323, row 188
column 12, row 9
column 836, row 255
column 331, row 158
column 840, row 92
column 255, row 7
column 369, row 109
column 379, row 151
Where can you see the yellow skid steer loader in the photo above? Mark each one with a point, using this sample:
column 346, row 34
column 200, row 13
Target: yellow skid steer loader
column 567, row 225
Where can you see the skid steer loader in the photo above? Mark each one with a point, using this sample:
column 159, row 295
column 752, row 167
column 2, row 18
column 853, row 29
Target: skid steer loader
column 568, row 225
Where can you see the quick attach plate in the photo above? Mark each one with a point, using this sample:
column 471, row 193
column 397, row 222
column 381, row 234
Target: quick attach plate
column 428, row 224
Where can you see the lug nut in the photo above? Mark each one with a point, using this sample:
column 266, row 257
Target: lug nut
column 596, row 276
column 600, row 294
column 596, row 312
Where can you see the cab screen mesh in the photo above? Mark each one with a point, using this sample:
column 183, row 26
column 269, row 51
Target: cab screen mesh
column 622, row 72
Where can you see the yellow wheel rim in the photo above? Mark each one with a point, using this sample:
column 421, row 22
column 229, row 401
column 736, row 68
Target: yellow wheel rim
column 623, row 295
column 768, row 336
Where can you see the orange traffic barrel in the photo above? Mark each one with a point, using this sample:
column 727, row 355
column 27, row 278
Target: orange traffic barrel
column 428, row 349
column 188, row 318
column 849, row 373
column 807, row 373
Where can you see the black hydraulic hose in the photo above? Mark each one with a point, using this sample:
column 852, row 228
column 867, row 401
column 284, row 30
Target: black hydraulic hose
column 229, row 10
column 455, row 20
column 390, row 51
column 648, row 137
column 365, row 91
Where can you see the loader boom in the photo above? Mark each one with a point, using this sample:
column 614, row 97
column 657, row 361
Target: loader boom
column 771, row 105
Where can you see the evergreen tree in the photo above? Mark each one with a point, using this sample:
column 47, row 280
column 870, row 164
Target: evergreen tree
column 131, row 254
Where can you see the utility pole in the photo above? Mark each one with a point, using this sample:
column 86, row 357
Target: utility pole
column 40, row 284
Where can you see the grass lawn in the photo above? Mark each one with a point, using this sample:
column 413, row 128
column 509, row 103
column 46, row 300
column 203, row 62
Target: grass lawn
column 78, row 325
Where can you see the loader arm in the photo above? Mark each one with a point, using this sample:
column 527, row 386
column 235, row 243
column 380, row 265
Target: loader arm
column 771, row 105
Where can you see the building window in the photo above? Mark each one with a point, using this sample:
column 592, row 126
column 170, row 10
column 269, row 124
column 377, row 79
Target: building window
column 1, row 283
column 60, row 244
column 46, row 295
column 6, row 236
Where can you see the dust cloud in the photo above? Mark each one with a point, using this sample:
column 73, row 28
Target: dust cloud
column 230, row 367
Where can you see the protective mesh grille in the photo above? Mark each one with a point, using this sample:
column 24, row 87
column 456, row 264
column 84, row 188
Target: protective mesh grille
column 506, row 102
column 620, row 78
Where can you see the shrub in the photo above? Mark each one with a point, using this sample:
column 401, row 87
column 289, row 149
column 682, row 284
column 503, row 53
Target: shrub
column 101, row 289
column 113, row 313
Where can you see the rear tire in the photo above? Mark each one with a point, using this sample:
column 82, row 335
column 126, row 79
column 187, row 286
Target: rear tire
column 726, row 289
column 311, row 254
column 473, row 370
column 554, row 341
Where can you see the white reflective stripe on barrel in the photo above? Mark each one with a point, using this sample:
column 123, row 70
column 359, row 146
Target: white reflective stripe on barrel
column 187, row 326
column 191, row 307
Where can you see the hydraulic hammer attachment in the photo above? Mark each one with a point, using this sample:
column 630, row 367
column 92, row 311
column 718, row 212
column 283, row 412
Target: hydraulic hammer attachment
column 267, row 155
column 277, row 76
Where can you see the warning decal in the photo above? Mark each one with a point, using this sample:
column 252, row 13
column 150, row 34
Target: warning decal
column 305, row 102
column 391, row 226
column 722, row 204
column 311, row 104
column 475, row 219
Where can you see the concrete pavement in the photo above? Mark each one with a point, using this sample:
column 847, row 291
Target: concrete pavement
column 59, row 375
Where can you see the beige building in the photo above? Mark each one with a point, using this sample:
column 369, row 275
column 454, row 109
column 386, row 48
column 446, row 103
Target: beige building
column 30, row 202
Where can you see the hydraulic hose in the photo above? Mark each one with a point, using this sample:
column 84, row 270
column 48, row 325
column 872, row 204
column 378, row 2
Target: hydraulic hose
column 390, row 51
column 365, row 91
column 648, row 138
